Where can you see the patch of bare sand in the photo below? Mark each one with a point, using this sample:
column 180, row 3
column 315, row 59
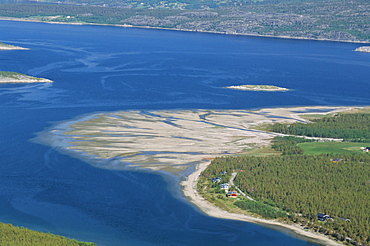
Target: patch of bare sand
column 161, row 138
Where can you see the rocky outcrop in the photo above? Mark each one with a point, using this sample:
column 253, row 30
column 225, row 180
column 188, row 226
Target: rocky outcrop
column 363, row 49
column 20, row 78
column 10, row 47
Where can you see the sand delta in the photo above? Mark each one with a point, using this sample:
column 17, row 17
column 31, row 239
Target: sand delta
column 175, row 141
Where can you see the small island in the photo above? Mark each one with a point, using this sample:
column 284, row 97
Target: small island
column 363, row 49
column 257, row 88
column 11, row 77
column 10, row 47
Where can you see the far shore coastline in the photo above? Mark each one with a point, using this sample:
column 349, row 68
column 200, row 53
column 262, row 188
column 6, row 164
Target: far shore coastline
column 177, row 29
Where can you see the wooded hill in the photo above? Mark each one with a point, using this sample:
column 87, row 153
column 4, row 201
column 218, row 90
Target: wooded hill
column 340, row 20
column 302, row 185
column 16, row 236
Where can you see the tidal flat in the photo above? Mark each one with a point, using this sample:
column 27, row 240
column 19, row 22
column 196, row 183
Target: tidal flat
column 168, row 140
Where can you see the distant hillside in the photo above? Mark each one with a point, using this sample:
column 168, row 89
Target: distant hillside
column 173, row 4
column 336, row 20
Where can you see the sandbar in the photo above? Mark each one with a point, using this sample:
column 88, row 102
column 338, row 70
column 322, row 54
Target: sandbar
column 257, row 88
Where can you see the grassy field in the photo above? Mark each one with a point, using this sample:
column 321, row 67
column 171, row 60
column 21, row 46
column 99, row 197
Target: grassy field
column 259, row 151
column 316, row 148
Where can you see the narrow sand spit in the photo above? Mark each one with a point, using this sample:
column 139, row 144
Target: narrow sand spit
column 174, row 141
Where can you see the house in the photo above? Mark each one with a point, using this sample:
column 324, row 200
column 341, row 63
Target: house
column 218, row 179
column 336, row 160
column 322, row 217
column 223, row 173
column 232, row 194
column 365, row 149
column 348, row 220
column 224, row 186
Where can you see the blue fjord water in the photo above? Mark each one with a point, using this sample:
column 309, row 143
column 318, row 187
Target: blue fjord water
column 100, row 69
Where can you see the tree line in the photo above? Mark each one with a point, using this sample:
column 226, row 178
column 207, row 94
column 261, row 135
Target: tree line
column 349, row 127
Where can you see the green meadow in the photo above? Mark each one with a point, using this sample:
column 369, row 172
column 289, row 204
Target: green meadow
column 316, row 148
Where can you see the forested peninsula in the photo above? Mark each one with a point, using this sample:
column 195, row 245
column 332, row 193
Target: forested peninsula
column 197, row 136
column 320, row 184
column 335, row 20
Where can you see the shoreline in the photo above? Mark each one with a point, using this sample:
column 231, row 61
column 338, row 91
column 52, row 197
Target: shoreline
column 179, row 29
column 190, row 192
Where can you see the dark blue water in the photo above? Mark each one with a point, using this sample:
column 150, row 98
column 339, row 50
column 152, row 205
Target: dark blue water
column 99, row 69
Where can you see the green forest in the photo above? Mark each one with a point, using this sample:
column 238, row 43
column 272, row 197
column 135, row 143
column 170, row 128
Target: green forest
column 296, row 186
column 349, row 127
column 16, row 236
